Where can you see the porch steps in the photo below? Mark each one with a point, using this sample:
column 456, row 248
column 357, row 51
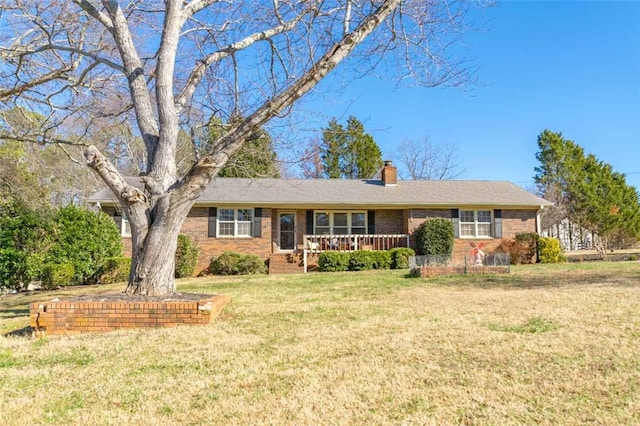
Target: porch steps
column 291, row 263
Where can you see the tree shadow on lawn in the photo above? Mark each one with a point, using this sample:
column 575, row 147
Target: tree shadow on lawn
column 510, row 281
column 20, row 332
column 13, row 313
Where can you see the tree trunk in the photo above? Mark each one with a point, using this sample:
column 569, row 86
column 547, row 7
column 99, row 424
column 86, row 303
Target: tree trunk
column 153, row 259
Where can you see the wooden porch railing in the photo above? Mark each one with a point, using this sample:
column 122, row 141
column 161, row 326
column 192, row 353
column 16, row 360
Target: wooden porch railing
column 347, row 243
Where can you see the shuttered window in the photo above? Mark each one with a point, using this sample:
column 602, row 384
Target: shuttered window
column 475, row 223
column 235, row 222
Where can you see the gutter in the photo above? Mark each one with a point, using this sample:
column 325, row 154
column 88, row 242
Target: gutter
column 539, row 220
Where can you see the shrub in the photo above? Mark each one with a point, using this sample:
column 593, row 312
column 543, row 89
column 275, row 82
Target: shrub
column 24, row 241
column 435, row 237
column 57, row 275
column 522, row 249
column 361, row 260
column 115, row 270
column 550, row 250
column 225, row 264
column 231, row 263
column 528, row 242
column 84, row 239
column 333, row 261
column 251, row 264
column 186, row 257
column 400, row 257
column 381, row 259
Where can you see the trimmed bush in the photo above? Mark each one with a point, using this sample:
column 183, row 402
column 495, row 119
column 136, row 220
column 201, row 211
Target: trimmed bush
column 116, row 270
column 333, row 261
column 225, row 264
column 186, row 257
column 400, row 257
column 361, row 260
column 57, row 275
column 381, row 259
column 435, row 237
column 84, row 239
column 522, row 249
column 550, row 250
column 251, row 264
column 231, row 263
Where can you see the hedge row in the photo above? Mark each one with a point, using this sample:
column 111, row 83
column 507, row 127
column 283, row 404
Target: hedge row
column 361, row 260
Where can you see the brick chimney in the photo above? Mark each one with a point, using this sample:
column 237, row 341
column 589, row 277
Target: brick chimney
column 389, row 174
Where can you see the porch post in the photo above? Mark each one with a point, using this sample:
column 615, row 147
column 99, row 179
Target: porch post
column 304, row 259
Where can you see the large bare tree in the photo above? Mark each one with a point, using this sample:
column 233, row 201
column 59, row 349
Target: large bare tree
column 164, row 68
column 426, row 160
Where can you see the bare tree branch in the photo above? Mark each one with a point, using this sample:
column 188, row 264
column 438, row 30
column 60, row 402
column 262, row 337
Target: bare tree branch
column 200, row 69
column 428, row 161
column 209, row 165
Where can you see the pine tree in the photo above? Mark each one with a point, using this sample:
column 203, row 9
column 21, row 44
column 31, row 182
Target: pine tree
column 256, row 158
column 586, row 191
column 349, row 152
column 362, row 158
column 333, row 148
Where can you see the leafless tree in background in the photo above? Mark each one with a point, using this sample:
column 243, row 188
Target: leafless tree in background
column 426, row 160
column 165, row 68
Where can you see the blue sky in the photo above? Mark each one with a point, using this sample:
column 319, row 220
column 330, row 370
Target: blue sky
column 572, row 67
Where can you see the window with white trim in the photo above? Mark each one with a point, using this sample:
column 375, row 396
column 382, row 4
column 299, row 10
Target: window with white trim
column 234, row 222
column 339, row 222
column 475, row 223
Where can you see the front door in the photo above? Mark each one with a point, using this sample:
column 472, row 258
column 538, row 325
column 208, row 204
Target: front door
column 287, row 231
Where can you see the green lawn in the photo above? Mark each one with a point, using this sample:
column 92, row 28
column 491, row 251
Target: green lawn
column 550, row 344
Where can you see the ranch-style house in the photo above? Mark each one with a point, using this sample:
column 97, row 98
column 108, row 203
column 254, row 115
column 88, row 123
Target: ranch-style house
column 288, row 222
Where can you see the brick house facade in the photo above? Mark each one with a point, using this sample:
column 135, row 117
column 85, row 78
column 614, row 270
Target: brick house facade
column 274, row 218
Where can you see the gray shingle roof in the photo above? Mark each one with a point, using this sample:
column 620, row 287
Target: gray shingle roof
column 359, row 193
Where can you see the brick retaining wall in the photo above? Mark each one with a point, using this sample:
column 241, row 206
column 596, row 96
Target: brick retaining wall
column 85, row 316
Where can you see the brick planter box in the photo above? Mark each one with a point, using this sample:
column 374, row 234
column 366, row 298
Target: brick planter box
column 117, row 312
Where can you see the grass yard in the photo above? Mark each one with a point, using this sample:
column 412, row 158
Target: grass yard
column 549, row 344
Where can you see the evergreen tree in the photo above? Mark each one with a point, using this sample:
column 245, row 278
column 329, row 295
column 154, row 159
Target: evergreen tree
column 560, row 162
column 256, row 158
column 333, row 148
column 605, row 204
column 349, row 152
column 586, row 191
column 362, row 158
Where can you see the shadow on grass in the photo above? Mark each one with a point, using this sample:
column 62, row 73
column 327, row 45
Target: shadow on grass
column 21, row 332
column 535, row 281
column 13, row 313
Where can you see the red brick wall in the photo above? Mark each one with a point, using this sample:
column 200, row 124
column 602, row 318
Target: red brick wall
column 389, row 222
column 462, row 248
column 518, row 221
column 513, row 222
column 196, row 226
